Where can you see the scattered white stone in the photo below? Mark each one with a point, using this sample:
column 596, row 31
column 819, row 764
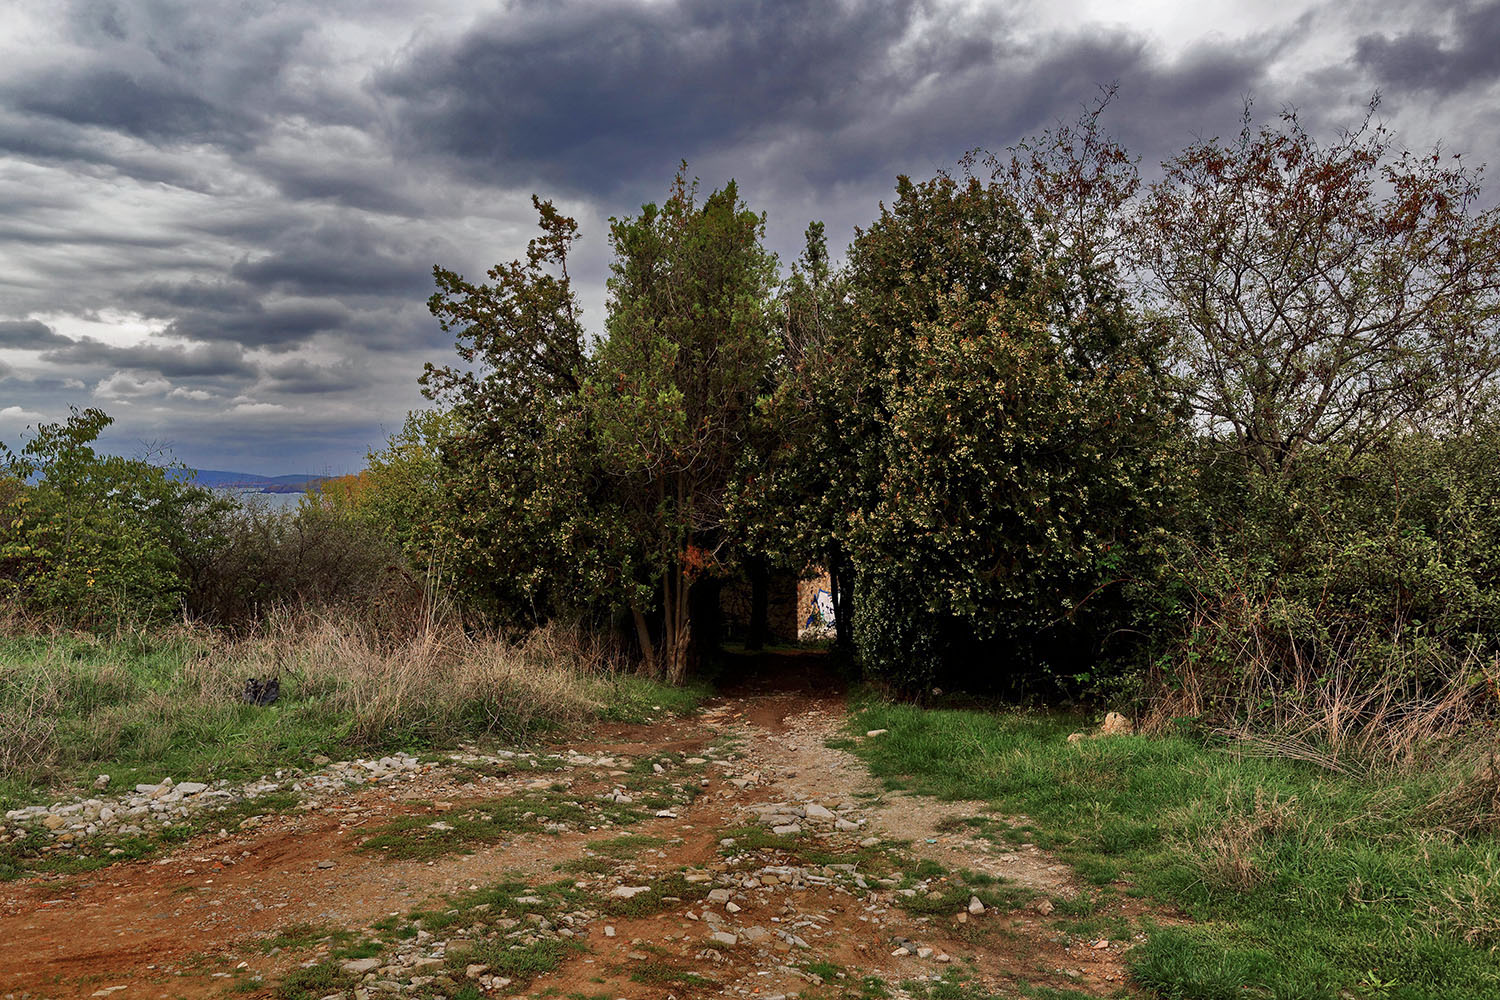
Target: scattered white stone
column 975, row 906
column 724, row 938
column 629, row 891
column 877, row 732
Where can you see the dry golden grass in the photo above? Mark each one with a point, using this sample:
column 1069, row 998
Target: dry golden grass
column 437, row 677
column 170, row 701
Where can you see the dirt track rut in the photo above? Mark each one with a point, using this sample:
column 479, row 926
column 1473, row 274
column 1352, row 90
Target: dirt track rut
column 775, row 866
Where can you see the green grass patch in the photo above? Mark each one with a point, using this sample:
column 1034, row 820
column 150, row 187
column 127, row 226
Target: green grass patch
column 659, row 973
column 301, row 937
column 145, row 706
column 627, row 845
column 519, row 962
column 314, row 982
column 461, row 830
column 1302, row 885
column 637, row 699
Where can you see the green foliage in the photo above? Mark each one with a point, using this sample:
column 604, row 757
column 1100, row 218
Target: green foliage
column 1348, row 575
column 1015, row 454
column 511, row 485
column 96, row 540
column 670, row 401
column 403, row 491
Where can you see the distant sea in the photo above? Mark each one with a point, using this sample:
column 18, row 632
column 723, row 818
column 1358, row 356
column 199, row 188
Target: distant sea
column 273, row 501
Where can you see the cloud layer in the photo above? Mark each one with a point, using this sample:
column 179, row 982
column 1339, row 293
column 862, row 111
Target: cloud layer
column 219, row 218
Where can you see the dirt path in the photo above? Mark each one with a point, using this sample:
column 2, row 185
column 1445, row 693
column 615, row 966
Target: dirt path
column 733, row 853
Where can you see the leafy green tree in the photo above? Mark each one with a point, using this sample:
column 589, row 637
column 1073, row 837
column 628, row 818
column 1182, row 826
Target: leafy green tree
column 598, row 480
column 513, row 485
column 403, row 490
column 789, row 503
column 1012, row 440
column 670, row 403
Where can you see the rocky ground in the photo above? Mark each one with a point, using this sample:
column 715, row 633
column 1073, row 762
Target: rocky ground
column 733, row 853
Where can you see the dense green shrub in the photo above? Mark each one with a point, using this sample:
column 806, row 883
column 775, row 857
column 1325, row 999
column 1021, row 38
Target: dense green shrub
column 1371, row 572
column 96, row 540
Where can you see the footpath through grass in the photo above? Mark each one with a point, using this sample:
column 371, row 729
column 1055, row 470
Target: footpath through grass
column 1297, row 883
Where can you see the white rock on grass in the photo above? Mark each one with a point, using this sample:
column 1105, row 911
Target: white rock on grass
column 629, row 891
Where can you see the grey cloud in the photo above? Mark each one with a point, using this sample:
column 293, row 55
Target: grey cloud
column 170, row 361
column 1426, row 60
column 588, row 95
column 602, row 98
column 29, row 334
column 304, row 377
column 275, row 326
column 157, row 110
column 338, row 259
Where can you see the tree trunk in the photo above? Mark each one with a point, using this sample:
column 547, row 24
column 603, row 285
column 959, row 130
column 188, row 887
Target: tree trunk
column 643, row 636
column 760, row 587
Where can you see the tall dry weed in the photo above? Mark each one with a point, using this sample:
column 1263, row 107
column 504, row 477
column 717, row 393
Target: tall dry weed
column 431, row 680
column 1273, row 696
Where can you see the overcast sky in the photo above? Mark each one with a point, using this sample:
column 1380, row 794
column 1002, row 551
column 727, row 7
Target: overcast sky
column 218, row 218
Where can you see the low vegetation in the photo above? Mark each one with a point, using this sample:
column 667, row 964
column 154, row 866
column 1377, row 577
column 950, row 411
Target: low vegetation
column 141, row 707
column 1297, row 881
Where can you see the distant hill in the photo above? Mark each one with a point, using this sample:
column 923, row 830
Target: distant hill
column 221, row 480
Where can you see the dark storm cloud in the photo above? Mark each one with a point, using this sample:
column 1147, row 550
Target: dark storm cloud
column 278, row 176
column 315, row 268
column 278, row 327
column 170, row 361
column 232, row 311
column 592, row 94
column 157, row 110
column 29, row 334
column 1444, row 63
column 597, row 97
